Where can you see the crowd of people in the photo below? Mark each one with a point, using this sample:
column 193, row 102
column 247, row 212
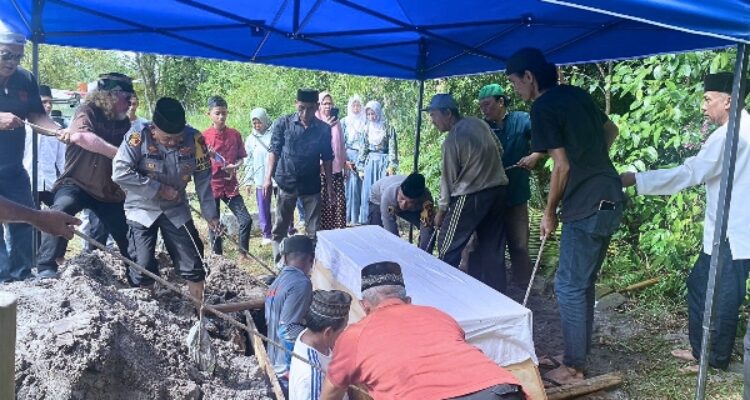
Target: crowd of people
column 131, row 175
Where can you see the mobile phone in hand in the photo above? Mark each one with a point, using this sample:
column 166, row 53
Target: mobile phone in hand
column 335, row 112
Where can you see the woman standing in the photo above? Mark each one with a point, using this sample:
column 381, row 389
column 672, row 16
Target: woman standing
column 333, row 214
column 353, row 126
column 256, row 147
column 378, row 156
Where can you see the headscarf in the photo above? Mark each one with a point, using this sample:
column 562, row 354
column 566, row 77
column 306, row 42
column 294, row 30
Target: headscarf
column 337, row 137
column 262, row 115
column 376, row 131
column 357, row 121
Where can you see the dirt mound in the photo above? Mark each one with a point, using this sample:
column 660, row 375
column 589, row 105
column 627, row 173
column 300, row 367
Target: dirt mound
column 88, row 335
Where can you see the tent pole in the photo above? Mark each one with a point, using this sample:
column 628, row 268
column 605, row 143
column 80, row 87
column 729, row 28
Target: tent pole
column 720, row 246
column 417, row 140
column 36, row 24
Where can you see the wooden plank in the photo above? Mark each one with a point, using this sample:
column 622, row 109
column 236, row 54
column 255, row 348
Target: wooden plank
column 262, row 356
column 528, row 374
column 7, row 346
column 587, row 386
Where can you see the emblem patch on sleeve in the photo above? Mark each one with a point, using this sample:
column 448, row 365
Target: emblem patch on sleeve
column 202, row 161
column 135, row 139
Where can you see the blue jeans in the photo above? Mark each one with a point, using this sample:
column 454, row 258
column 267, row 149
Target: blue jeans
column 15, row 255
column 583, row 246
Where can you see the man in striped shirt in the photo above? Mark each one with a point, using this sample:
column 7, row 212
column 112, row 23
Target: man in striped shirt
column 326, row 319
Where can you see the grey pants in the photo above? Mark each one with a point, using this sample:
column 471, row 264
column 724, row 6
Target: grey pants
column 285, row 203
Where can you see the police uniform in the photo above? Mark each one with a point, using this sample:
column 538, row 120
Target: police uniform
column 141, row 166
column 19, row 96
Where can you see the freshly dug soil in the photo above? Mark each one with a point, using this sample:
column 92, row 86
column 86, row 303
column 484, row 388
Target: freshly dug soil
column 87, row 335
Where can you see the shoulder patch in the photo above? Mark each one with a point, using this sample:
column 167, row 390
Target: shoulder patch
column 135, row 139
column 202, row 162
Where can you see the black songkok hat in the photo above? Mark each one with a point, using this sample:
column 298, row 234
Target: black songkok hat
column 115, row 81
column 721, row 82
column 45, row 91
column 169, row 116
column 307, row 95
column 381, row 274
column 331, row 304
column 297, row 244
column 216, row 101
column 413, row 186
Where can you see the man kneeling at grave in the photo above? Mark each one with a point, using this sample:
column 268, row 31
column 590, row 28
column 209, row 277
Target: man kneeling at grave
column 153, row 167
column 404, row 351
column 327, row 318
column 405, row 197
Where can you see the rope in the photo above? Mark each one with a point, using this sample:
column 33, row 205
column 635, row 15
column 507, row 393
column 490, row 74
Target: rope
column 198, row 302
column 533, row 272
column 203, row 292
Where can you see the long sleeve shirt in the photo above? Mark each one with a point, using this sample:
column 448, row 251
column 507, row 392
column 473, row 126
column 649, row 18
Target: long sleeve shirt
column 256, row 147
column 705, row 168
column 471, row 160
column 50, row 160
column 142, row 166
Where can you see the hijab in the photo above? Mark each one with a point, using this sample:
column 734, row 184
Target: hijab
column 262, row 115
column 357, row 121
column 376, row 130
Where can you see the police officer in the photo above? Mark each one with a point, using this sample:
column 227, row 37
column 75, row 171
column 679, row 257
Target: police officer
column 19, row 101
column 154, row 166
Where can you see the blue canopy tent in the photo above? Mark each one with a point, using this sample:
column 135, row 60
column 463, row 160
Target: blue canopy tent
column 405, row 39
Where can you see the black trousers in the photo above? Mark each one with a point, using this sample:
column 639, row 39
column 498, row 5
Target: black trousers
column 731, row 289
column 497, row 392
column 425, row 232
column 480, row 212
column 237, row 205
column 182, row 250
column 71, row 199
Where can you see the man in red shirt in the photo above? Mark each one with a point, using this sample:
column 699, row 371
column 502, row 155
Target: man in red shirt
column 404, row 351
column 228, row 154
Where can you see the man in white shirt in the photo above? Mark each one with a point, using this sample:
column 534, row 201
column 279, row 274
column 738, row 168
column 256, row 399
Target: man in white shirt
column 326, row 319
column 50, row 154
column 705, row 168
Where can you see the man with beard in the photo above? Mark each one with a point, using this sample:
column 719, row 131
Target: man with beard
column 19, row 101
column 95, row 133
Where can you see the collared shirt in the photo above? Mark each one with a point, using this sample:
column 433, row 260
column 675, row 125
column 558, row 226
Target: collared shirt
column 19, row 96
column 471, row 160
column 300, row 151
column 705, row 168
column 228, row 143
column 90, row 171
column 50, row 160
column 287, row 302
column 256, row 147
column 515, row 136
column 384, row 193
column 409, row 352
column 142, row 166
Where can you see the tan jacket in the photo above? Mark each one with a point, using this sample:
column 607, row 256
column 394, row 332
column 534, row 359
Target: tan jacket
column 471, row 160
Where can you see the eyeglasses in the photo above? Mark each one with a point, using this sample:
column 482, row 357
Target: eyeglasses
column 7, row 56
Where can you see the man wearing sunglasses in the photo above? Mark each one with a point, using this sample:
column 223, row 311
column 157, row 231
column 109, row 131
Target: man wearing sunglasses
column 19, row 101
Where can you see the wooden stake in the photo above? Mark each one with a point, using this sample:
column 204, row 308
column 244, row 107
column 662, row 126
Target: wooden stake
column 7, row 345
column 263, row 361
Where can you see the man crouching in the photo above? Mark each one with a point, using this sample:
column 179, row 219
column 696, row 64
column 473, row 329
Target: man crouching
column 154, row 166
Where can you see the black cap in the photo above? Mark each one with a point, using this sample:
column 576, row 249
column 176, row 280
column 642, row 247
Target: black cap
column 413, row 186
column 526, row 59
column 721, row 82
column 216, row 101
column 115, row 81
column 331, row 304
column 169, row 116
column 45, row 91
column 297, row 244
column 381, row 274
column 307, row 95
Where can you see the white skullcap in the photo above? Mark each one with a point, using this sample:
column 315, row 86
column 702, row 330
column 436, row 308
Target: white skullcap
column 9, row 37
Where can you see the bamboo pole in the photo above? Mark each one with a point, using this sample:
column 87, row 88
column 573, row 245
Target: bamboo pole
column 7, row 345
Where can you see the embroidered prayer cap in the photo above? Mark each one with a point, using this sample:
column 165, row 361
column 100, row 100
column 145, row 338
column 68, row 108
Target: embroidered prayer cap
column 307, row 95
column 381, row 274
column 297, row 244
column 491, row 90
column 331, row 304
column 45, row 91
column 115, row 81
column 413, row 186
column 216, row 101
column 169, row 116
column 721, row 82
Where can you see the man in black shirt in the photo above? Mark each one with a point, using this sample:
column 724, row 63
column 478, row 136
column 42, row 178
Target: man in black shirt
column 567, row 124
column 299, row 143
